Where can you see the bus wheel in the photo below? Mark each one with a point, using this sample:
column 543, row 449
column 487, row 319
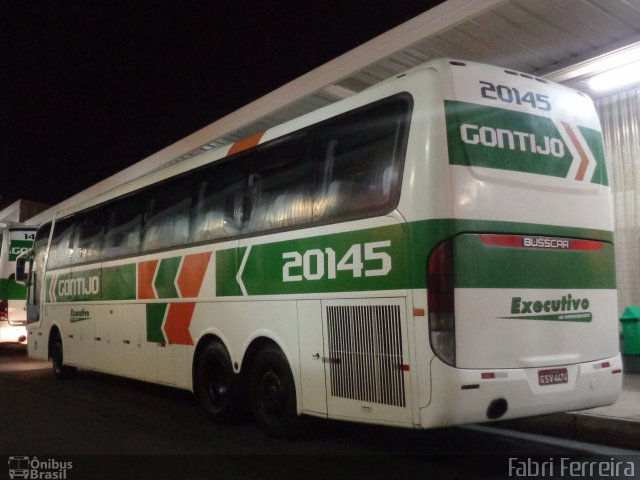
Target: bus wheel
column 273, row 394
column 216, row 384
column 57, row 357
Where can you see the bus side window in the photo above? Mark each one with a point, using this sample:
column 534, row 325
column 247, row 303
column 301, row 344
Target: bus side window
column 168, row 210
column 361, row 158
column 220, row 201
column 124, row 227
column 89, row 236
column 281, row 186
column 61, row 250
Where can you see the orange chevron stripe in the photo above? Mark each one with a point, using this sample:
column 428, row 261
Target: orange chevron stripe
column 146, row 272
column 245, row 144
column 177, row 323
column 192, row 274
column 584, row 159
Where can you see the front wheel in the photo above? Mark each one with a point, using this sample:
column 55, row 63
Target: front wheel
column 57, row 358
column 273, row 394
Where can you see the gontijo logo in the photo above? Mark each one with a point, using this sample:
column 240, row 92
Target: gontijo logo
column 17, row 251
column 498, row 138
column 511, row 140
column 18, row 247
column 80, row 286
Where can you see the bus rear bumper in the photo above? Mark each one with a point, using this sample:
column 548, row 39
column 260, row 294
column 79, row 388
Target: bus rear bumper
column 462, row 396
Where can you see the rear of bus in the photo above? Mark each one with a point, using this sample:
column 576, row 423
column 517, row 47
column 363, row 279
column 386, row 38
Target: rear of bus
column 522, row 306
column 13, row 320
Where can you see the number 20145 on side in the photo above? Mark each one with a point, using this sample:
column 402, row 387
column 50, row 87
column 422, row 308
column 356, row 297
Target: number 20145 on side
column 366, row 259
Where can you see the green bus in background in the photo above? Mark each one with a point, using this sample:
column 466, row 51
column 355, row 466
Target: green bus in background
column 14, row 241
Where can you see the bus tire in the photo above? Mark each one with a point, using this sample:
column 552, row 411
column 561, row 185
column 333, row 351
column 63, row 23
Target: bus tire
column 216, row 385
column 60, row 370
column 273, row 394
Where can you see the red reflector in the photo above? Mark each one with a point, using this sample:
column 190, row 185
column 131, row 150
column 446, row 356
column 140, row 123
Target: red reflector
column 488, row 375
column 404, row 368
column 418, row 312
column 537, row 242
column 605, row 365
column 4, row 310
column 586, row 245
column 514, row 241
column 440, row 279
column 617, row 370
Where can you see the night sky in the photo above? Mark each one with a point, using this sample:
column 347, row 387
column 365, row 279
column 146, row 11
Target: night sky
column 91, row 87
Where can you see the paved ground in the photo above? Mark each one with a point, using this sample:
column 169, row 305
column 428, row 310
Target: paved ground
column 628, row 405
column 96, row 414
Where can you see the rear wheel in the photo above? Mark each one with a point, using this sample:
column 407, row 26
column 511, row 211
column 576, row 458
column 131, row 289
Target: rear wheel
column 57, row 357
column 273, row 394
column 216, row 384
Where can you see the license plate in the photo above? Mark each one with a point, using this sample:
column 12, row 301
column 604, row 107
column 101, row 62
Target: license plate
column 553, row 376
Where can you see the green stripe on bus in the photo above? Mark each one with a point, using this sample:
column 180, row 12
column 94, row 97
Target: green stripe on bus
column 267, row 265
column 119, row 282
column 429, row 233
column 10, row 290
column 342, row 262
column 594, row 141
column 491, row 137
column 583, row 317
column 226, row 268
column 385, row 258
column 155, row 317
column 166, row 277
column 82, row 286
column 107, row 283
column 481, row 266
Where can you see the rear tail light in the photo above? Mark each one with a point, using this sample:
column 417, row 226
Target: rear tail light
column 4, row 311
column 442, row 334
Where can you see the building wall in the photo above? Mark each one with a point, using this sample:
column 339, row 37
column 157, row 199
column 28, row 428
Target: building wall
column 620, row 117
column 20, row 211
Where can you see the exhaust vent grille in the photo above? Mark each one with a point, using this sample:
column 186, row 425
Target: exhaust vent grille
column 365, row 353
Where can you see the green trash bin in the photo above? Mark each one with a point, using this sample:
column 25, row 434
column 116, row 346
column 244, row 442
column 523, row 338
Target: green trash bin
column 631, row 331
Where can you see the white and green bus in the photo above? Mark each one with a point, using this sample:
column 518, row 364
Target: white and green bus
column 435, row 250
column 14, row 241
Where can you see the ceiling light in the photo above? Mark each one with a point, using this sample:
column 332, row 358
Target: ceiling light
column 616, row 78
